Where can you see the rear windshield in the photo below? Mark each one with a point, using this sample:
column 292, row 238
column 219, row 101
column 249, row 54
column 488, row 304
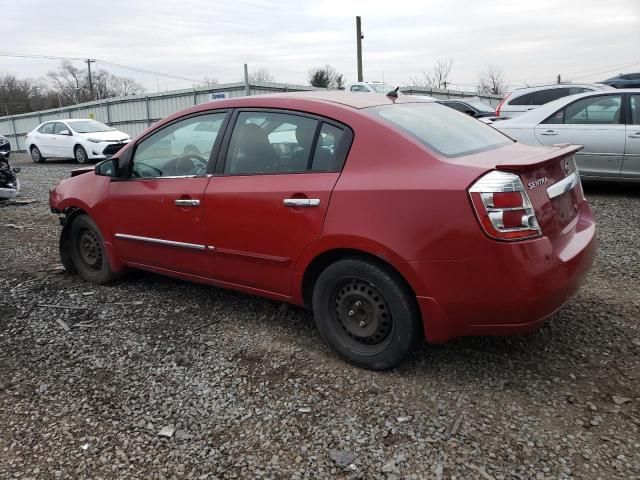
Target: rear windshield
column 442, row 129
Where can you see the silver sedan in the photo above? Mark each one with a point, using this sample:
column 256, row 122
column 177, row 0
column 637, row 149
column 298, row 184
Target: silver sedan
column 607, row 123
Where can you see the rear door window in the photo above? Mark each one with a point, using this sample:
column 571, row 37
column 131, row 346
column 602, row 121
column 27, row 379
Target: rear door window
column 441, row 129
column 545, row 96
column 47, row 128
column 600, row 110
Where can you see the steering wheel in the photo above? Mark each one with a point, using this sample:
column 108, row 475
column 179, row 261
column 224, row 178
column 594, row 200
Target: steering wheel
column 186, row 163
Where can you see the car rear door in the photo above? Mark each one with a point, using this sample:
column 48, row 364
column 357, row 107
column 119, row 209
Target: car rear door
column 595, row 122
column 62, row 144
column 631, row 162
column 44, row 140
column 157, row 212
column 267, row 201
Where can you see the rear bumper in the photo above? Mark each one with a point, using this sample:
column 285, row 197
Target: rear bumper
column 505, row 288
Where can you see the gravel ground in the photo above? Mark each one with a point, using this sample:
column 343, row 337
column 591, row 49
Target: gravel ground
column 157, row 378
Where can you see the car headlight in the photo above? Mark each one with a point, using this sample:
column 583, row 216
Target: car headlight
column 94, row 140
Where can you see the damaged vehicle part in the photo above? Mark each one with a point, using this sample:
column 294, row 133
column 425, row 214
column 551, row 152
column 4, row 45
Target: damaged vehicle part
column 9, row 183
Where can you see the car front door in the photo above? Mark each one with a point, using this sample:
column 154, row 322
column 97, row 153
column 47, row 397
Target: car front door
column 595, row 122
column 268, row 199
column 62, row 142
column 157, row 212
column 631, row 162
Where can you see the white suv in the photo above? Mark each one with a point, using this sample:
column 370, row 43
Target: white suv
column 522, row 100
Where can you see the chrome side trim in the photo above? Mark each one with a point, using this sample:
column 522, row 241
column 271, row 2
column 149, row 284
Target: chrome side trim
column 160, row 241
column 564, row 185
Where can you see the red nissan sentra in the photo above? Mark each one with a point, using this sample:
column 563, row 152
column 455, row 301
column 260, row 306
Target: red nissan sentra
column 396, row 220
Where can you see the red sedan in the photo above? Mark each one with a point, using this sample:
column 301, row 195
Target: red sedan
column 396, row 220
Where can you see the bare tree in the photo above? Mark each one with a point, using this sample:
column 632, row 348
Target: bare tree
column 262, row 75
column 326, row 77
column 209, row 82
column 437, row 77
column 71, row 84
column 492, row 81
column 23, row 95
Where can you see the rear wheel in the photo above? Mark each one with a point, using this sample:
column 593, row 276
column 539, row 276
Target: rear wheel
column 80, row 154
column 366, row 313
column 86, row 248
column 36, row 156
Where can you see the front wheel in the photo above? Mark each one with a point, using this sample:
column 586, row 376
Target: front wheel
column 80, row 154
column 87, row 252
column 36, row 156
column 366, row 313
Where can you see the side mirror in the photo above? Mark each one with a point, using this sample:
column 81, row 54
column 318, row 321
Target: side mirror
column 65, row 132
column 107, row 168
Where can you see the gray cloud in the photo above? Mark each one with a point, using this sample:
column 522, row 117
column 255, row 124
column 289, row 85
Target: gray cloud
column 531, row 41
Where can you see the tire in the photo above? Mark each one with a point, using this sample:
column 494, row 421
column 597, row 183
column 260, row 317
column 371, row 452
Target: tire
column 86, row 249
column 366, row 313
column 80, row 154
column 36, row 156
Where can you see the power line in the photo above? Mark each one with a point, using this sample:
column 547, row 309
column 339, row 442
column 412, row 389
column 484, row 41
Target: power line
column 104, row 62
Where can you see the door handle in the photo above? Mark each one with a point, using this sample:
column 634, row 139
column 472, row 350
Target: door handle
column 301, row 202
column 635, row 135
column 549, row 133
column 187, row 202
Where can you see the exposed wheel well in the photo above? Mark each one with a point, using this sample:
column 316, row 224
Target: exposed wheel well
column 322, row 261
column 65, row 255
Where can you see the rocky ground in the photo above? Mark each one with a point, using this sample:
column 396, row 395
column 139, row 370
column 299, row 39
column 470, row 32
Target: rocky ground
column 157, row 378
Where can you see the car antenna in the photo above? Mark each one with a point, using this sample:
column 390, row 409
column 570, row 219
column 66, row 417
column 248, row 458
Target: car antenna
column 393, row 93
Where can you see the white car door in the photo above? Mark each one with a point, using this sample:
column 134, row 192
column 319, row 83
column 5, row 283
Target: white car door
column 631, row 162
column 44, row 140
column 64, row 142
column 594, row 122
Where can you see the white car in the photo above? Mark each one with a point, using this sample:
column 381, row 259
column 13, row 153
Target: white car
column 83, row 139
column 522, row 100
column 607, row 123
column 369, row 87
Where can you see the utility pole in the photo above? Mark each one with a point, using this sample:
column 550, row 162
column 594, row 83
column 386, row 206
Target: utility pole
column 359, row 38
column 247, row 91
column 559, row 78
column 89, row 61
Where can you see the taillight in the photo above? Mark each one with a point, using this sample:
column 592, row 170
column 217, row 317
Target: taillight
column 501, row 103
column 503, row 206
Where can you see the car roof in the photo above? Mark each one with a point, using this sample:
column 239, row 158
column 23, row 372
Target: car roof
column 535, row 88
column 540, row 113
column 338, row 97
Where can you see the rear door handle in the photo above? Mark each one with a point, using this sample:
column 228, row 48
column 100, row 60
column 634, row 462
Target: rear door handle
column 187, row 202
column 301, row 202
column 549, row 133
column 635, row 135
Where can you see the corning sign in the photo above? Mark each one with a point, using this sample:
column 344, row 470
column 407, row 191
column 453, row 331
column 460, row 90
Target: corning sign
column 217, row 96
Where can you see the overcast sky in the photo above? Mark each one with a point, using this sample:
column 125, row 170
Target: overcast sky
column 532, row 41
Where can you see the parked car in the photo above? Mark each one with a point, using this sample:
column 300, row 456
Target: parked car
column 522, row 100
column 83, row 139
column 395, row 220
column 5, row 147
column 472, row 107
column 369, row 87
column 607, row 123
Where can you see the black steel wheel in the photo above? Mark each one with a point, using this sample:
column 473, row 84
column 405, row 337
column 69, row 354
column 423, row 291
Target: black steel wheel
column 366, row 313
column 86, row 250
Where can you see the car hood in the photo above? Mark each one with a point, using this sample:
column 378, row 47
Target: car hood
column 110, row 135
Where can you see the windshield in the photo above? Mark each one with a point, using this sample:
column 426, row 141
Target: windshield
column 89, row 126
column 442, row 129
column 381, row 87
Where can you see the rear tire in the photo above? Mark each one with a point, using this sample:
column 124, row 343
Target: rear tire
column 86, row 248
column 36, row 156
column 80, row 155
column 366, row 313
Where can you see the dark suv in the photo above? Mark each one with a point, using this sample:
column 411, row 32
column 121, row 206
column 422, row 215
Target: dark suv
column 626, row 80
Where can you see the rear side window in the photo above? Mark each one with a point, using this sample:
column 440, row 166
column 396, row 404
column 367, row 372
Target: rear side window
column 331, row 149
column 635, row 109
column 46, row 128
column 442, row 129
column 545, row 96
column 525, row 99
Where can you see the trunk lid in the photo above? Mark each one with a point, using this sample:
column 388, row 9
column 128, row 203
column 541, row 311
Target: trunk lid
column 550, row 180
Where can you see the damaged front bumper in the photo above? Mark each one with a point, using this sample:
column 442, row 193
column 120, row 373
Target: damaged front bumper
column 10, row 190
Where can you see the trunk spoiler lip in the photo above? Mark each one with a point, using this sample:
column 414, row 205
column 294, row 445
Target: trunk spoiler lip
column 560, row 150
